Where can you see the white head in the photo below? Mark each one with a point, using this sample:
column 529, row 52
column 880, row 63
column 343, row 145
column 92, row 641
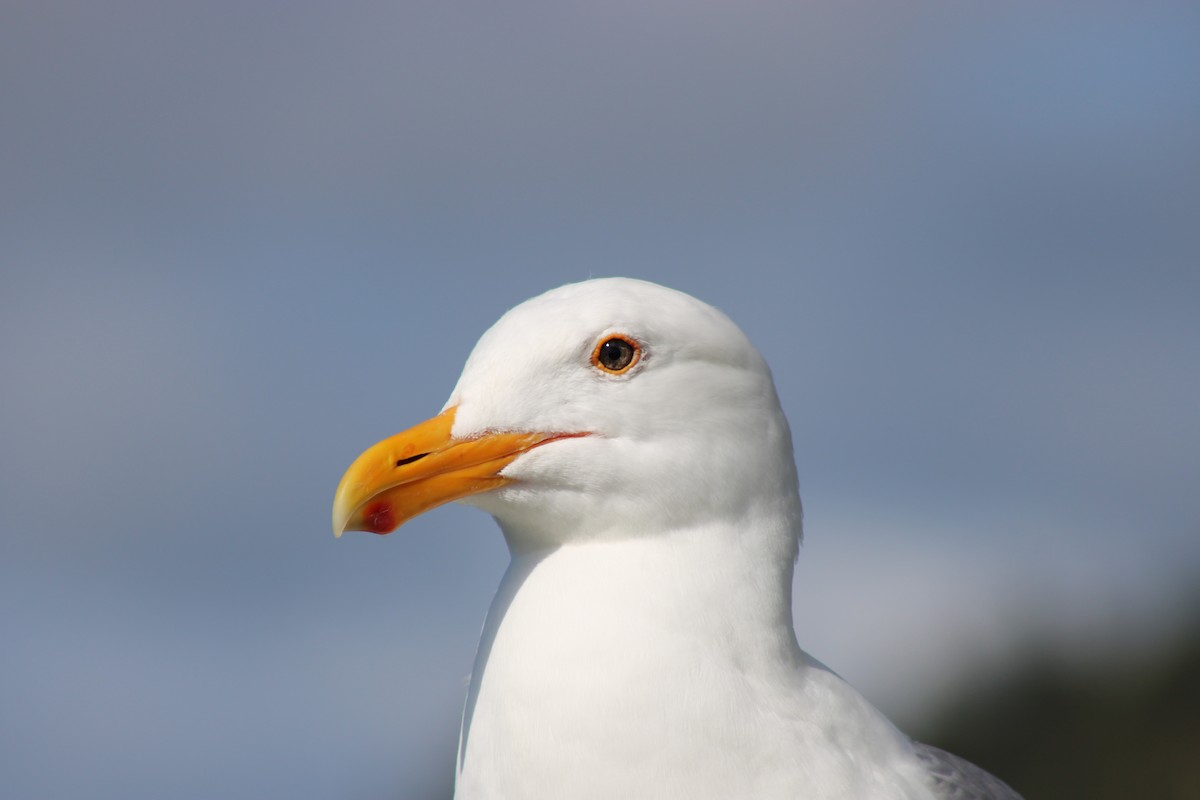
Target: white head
column 617, row 408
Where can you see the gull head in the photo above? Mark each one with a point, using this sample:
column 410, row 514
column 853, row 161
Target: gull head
column 609, row 408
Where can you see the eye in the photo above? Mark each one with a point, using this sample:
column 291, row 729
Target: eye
column 616, row 354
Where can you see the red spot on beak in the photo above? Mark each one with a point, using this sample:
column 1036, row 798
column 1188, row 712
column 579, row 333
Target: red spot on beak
column 379, row 518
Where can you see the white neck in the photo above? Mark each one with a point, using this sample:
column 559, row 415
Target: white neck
column 594, row 654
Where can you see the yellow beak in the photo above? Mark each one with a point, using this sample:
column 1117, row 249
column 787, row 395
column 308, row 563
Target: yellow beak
column 422, row 468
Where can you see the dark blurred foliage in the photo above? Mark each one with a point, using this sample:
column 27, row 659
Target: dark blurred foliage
column 1122, row 726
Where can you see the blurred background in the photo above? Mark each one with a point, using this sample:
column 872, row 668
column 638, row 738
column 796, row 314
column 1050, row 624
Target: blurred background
column 239, row 242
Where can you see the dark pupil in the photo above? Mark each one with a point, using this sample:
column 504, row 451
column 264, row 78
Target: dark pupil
column 615, row 354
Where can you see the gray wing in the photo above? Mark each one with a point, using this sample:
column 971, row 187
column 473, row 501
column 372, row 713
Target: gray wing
column 954, row 778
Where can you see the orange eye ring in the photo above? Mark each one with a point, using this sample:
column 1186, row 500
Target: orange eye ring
column 616, row 354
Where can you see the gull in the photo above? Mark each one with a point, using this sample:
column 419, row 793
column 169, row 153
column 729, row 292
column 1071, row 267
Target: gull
column 630, row 443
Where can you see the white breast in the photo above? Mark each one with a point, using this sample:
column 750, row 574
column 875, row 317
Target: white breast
column 605, row 671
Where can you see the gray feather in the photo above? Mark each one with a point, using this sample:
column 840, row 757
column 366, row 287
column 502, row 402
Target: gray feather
column 954, row 778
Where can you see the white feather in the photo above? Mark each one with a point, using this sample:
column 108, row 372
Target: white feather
column 641, row 642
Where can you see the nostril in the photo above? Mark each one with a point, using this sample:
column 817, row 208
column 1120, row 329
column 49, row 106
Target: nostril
column 411, row 459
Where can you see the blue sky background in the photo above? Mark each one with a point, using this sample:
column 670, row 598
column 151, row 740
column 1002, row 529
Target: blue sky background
column 239, row 242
